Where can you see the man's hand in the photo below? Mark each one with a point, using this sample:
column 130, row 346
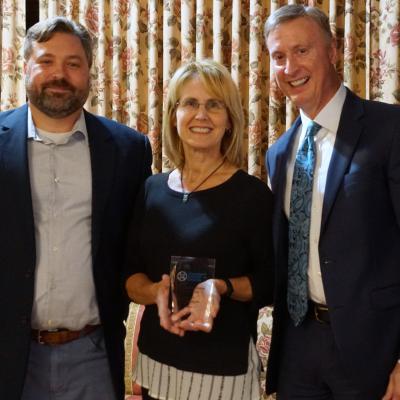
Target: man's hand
column 393, row 389
column 164, row 312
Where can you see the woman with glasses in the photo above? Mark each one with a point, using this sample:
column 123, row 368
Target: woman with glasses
column 207, row 208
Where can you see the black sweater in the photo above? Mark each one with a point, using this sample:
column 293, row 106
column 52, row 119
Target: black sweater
column 231, row 223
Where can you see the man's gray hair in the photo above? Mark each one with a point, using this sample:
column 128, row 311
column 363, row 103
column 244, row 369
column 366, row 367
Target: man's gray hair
column 44, row 31
column 294, row 11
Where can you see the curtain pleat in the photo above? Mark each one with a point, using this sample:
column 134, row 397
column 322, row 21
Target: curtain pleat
column 154, row 77
column 217, row 30
column 385, row 40
column 12, row 23
column 257, row 109
column 236, row 40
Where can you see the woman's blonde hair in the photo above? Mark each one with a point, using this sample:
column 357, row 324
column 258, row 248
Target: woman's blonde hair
column 218, row 81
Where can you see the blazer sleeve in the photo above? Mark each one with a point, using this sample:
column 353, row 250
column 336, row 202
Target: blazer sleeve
column 394, row 171
column 133, row 261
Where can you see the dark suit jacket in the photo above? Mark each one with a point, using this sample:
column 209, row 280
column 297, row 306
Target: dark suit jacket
column 120, row 160
column 359, row 245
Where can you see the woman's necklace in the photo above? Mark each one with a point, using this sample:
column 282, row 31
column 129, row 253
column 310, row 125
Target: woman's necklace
column 186, row 195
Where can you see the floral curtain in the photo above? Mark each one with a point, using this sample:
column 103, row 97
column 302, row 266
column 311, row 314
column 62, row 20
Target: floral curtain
column 12, row 23
column 140, row 43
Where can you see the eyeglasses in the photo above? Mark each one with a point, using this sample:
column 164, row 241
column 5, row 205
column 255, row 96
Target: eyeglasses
column 212, row 106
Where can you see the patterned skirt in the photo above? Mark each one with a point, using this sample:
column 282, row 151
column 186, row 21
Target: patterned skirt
column 168, row 383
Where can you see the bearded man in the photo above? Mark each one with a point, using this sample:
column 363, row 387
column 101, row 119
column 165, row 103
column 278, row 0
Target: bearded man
column 69, row 181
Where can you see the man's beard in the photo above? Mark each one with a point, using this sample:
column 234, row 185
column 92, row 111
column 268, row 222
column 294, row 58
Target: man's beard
column 57, row 105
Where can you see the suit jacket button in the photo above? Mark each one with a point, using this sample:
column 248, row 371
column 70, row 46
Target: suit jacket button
column 24, row 320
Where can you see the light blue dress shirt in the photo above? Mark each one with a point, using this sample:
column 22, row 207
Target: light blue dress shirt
column 61, row 185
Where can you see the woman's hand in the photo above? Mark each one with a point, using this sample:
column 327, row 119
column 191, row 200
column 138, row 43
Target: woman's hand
column 202, row 309
column 162, row 299
column 144, row 291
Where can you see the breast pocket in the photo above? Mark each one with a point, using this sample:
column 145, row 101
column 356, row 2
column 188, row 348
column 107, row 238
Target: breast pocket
column 385, row 298
column 368, row 180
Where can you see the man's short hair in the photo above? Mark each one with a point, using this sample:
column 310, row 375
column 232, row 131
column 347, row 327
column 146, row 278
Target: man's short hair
column 44, row 31
column 294, row 11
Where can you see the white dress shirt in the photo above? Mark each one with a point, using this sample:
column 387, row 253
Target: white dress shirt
column 324, row 140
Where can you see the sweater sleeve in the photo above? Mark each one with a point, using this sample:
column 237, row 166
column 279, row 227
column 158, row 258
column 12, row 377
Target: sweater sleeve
column 261, row 249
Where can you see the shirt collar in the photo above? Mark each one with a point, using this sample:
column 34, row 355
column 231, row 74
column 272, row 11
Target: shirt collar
column 329, row 116
column 79, row 127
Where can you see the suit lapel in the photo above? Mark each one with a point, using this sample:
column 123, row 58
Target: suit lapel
column 285, row 151
column 14, row 169
column 349, row 131
column 13, row 139
column 102, row 156
column 278, row 175
column 13, row 150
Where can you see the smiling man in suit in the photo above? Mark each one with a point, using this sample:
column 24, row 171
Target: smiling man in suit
column 335, row 175
column 68, row 182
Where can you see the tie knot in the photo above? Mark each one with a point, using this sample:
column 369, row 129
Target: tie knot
column 312, row 129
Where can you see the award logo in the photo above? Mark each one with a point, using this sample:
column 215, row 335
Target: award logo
column 186, row 273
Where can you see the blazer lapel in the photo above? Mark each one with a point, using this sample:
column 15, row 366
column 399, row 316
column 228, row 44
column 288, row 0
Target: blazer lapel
column 102, row 156
column 346, row 140
column 13, row 150
column 13, row 139
column 282, row 150
column 14, row 169
column 285, row 150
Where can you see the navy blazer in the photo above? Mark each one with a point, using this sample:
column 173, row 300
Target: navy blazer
column 120, row 161
column 359, row 246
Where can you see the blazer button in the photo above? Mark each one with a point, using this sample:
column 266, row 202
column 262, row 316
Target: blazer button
column 24, row 320
column 28, row 274
column 326, row 261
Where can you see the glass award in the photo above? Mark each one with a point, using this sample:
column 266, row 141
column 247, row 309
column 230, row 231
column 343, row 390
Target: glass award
column 186, row 273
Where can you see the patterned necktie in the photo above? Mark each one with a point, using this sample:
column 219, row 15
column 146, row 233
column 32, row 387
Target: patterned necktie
column 299, row 226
